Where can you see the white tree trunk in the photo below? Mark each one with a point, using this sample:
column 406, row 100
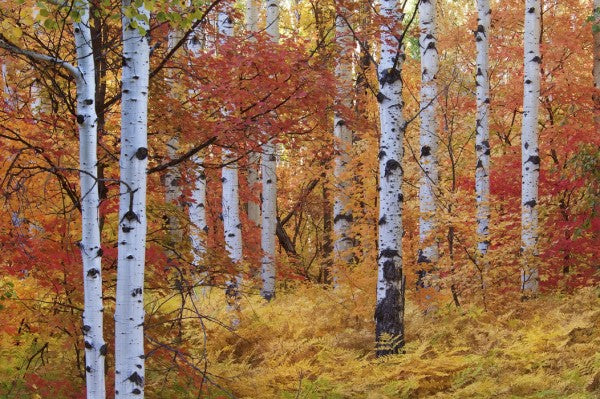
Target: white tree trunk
column 129, row 311
column 389, row 311
column 197, row 209
column 269, row 182
column 529, row 146
column 254, row 158
column 482, row 128
column 232, row 224
column 428, row 252
column 232, row 227
column 342, row 215
column 91, row 251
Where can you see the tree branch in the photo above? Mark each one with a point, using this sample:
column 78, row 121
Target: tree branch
column 40, row 57
column 182, row 158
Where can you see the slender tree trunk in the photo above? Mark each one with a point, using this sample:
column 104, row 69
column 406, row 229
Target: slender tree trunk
column 596, row 70
column 269, row 182
column 91, row 251
column 232, row 224
column 389, row 311
column 529, row 147
column 482, row 133
column 129, row 311
column 197, row 209
column 342, row 215
column 254, row 158
column 428, row 252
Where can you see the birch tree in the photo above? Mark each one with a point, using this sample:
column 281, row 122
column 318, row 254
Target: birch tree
column 197, row 209
column 129, row 311
column 91, row 250
column 269, row 181
column 389, row 311
column 482, row 128
column 90, row 246
column 428, row 252
column 530, row 158
column 342, row 216
column 232, row 224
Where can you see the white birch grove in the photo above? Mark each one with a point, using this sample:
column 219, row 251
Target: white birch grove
column 428, row 251
column 232, row 224
column 269, row 181
column 389, row 311
column 129, row 310
column 482, row 128
column 596, row 69
column 530, row 169
column 342, row 215
column 91, row 250
column 253, row 179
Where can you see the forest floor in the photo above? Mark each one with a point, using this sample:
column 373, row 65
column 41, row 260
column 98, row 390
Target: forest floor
column 316, row 343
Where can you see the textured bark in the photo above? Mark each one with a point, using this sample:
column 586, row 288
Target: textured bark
column 389, row 311
column 129, row 311
column 91, row 251
column 342, row 215
column 529, row 147
column 596, row 70
column 482, row 128
column 197, row 209
column 428, row 251
column 269, row 181
column 232, row 224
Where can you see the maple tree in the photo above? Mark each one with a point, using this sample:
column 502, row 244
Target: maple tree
column 394, row 198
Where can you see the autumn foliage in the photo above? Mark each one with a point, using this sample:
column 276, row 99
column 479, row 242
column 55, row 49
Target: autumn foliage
column 313, row 340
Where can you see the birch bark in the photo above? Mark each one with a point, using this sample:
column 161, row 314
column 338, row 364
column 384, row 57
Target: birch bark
column 482, row 128
column 232, row 224
column 269, row 182
column 129, row 311
column 197, row 209
column 428, row 252
column 389, row 311
column 529, row 147
column 342, row 216
column 91, row 251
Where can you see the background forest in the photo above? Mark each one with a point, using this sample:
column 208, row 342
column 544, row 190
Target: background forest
column 300, row 199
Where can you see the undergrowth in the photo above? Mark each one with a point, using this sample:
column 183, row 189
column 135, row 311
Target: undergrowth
column 316, row 343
